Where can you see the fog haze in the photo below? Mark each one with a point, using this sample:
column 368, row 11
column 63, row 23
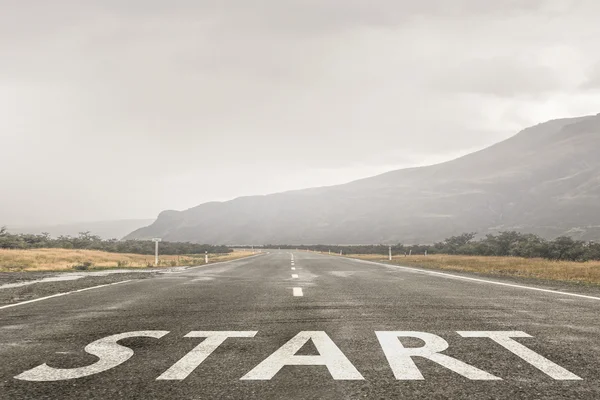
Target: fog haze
column 115, row 109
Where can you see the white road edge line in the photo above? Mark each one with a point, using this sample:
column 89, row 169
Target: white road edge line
column 62, row 294
column 217, row 263
column 466, row 278
column 298, row 292
column 116, row 283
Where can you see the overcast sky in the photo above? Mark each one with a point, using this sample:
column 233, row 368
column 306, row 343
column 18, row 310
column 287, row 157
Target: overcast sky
column 117, row 109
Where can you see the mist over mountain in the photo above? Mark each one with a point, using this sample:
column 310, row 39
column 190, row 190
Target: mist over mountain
column 544, row 180
column 105, row 229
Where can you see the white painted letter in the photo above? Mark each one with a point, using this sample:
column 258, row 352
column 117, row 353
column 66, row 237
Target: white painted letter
column 543, row 364
column 184, row 367
column 107, row 350
column 331, row 356
column 404, row 367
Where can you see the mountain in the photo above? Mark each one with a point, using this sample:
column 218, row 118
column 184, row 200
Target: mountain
column 544, row 180
column 105, row 229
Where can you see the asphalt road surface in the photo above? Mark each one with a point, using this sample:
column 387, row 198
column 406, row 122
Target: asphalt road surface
column 315, row 327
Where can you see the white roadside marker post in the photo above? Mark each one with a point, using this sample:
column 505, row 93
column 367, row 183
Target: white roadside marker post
column 156, row 240
column 390, row 253
column 206, row 257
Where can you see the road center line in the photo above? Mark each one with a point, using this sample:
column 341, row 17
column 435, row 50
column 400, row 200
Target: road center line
column 298, row 292
column 62, row 294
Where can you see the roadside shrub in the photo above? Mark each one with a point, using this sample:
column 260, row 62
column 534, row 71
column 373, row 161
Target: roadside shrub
column 88, row 241
column 503, row 244
column 84, row 266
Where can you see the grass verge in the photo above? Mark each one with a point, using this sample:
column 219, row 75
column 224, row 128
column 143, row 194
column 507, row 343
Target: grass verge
column 564, row 271
column 72, row 260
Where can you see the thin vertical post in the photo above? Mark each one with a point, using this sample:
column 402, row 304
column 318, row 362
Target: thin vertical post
column 156, row 252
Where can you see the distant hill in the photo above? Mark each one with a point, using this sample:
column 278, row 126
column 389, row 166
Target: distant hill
column 544, row 180
column 105, row 229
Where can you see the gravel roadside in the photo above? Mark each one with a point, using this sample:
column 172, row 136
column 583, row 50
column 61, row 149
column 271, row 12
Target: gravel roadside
column 584, row 288
column 16, row 287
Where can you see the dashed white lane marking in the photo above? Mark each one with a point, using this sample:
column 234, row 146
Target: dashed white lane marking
column 293, row 268
column 466, row 278
column 62, row 294
column 298, row 292
column 295, row 276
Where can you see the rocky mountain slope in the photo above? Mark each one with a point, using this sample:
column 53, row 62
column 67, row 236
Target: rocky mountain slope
column 544, row 180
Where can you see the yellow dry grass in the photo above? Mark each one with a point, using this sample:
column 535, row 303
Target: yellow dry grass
column 587, row 272
column 63, row 259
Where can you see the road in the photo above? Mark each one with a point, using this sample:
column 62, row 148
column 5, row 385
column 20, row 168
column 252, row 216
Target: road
column 356, row 327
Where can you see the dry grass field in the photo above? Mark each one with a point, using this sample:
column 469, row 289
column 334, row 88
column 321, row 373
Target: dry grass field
column 69, row 260
column 587, row 272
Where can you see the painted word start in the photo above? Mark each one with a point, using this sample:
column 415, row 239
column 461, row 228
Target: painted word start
column 400, row 358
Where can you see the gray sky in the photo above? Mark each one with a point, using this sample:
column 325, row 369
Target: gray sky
column 119, row 109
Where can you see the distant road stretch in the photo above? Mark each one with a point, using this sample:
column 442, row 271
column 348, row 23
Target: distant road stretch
column 289, row 325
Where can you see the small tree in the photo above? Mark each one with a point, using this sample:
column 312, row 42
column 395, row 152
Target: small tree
column 453, row 244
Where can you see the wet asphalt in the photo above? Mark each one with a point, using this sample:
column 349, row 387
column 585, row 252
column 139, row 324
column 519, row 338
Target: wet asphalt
column 347, row 299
